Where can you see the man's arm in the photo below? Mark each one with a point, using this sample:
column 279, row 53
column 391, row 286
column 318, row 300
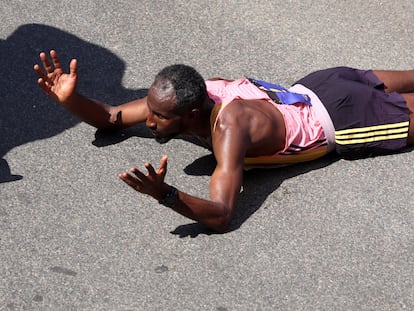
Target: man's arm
column 216, row 213
column 61, row 87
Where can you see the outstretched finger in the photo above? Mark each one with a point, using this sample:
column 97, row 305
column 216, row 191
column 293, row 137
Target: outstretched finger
column 43, row 81
column 138, row 173
column 55, row 60
column 43, row 85
column 151, row 170
column 46, row 64
column 130, row 180
column 73, row 67
column 39, row 71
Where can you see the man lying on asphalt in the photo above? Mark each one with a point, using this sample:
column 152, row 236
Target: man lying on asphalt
column 249, row 123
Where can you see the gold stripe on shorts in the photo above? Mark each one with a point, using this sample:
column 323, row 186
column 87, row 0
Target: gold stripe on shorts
column 372, row 133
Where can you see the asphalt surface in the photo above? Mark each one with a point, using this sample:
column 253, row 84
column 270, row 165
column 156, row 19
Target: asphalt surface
column 329, row 235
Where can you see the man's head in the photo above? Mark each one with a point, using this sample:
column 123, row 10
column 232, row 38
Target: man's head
column 174, row 99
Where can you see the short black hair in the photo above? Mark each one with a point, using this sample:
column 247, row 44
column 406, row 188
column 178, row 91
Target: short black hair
column 190, row 87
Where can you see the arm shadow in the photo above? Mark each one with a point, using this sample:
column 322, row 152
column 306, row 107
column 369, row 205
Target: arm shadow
column 258, row 184
column 26, row 113
column 106, row 138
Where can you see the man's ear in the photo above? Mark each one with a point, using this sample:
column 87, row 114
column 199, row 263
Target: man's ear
column 194, row 113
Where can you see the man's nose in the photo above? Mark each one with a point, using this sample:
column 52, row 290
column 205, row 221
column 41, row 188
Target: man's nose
column 150, row 123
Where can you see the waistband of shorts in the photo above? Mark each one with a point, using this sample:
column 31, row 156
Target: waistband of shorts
column 320, row 112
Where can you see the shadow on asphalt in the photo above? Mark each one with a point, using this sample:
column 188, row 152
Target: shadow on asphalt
column 258, row 184
column 26, row 114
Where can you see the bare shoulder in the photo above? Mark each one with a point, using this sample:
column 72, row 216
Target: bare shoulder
column 233, row 114
column 231, row 137
column 255, row 123
column 233, row 122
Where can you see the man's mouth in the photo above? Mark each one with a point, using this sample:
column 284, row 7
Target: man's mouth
column 160, row 139
column 163, row 140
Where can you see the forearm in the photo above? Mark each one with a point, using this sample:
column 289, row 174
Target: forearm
column 214, row 215
column 95, row 113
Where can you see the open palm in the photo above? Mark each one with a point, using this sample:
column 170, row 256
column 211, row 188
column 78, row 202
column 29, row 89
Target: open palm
column 58, row 85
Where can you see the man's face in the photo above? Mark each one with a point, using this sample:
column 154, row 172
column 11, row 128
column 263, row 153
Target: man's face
column 164, row 123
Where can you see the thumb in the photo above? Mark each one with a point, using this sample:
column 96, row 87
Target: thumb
column 163, row 165
column 73, row 67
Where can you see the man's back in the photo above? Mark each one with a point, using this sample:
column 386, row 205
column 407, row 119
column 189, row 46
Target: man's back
column 258, row 121
column 275, row 133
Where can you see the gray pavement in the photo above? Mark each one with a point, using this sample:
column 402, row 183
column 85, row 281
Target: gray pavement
column 329, row 235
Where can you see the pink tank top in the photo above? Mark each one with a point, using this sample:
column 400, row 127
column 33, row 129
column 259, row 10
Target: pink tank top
column 305, row 138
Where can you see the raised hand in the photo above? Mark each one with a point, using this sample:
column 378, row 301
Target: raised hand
column 58, row 85
column 151, row 183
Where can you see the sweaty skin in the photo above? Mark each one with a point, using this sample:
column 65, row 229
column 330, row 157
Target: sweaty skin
column 245, row 128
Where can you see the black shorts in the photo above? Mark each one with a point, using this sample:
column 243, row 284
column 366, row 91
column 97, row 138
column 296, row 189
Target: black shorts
column 367, row 120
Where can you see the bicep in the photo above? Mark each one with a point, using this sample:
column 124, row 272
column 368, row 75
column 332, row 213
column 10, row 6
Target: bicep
column 229, row 148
